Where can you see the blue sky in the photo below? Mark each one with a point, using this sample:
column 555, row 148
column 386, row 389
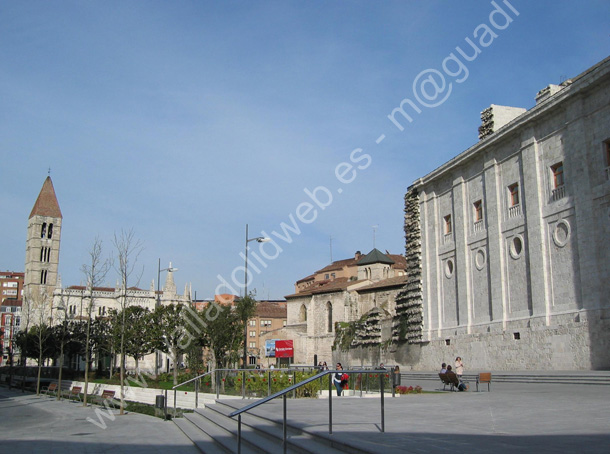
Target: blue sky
column 187, row 120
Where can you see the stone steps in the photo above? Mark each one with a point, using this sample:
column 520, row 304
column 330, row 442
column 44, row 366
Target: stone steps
column 213, row 431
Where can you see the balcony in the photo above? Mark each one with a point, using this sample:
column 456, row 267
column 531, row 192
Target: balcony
column 514, row 211
column 447, row 238
column 558, row 193
column 478, row 226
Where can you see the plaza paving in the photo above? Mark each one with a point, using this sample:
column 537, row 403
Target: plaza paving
column 513, row 417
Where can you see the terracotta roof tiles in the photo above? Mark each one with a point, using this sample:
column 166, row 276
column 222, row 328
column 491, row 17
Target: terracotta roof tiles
column 46, row 203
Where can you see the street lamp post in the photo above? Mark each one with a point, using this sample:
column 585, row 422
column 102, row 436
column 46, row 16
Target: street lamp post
column 62, row 308
column 158, row 302
column 260, row 239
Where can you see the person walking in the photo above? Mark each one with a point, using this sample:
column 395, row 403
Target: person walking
column 396, row 376
column 338, row 377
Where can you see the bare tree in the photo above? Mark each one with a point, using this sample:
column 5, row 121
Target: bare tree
column 41, row 307
column 95, row 273
column 26, row 319
column 128, row 249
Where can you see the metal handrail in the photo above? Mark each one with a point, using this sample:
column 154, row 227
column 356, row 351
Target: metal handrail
column 283, row 393
column 196, row 378
column 216, row 373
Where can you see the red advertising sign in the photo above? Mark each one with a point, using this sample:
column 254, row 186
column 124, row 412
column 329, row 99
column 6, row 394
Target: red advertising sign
column 284, row 349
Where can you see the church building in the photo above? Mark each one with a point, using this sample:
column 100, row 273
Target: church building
column 507, row 243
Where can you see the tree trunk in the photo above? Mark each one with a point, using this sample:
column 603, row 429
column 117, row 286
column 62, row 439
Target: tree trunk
column 87, row 360
column 175, row 356
column 39, row 372
column 122, row 374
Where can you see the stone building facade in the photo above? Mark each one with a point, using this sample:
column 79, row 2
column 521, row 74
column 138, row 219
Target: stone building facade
column 514, row 251
column 363, row 289
column 42, row 245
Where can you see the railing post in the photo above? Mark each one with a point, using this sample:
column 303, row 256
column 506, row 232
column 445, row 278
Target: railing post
column 239, row 434
column 243, row 384
column 330, row 403
column 294, row 382
column 392, row 379
column 165, row 406
column 360, row 384
column 217, row 373
column 381, row 380
column 284, row 444
column 197, row 393
column 268, row 383
column 175, row 403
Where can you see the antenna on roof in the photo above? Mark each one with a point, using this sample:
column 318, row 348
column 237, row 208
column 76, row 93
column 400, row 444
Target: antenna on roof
column 49, row 171
column 374, row 235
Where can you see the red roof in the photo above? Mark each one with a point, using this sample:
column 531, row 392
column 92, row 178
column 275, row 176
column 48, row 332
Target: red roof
column 336, row 285
column 271, row 310
column 46, row 203
column 11, row 302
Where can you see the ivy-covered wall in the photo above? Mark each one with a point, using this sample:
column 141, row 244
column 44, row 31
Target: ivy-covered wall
column 408, row 321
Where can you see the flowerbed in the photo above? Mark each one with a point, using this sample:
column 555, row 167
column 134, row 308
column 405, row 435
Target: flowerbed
column 409, row 390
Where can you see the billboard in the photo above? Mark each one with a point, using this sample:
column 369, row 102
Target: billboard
column 284, row 349
column 270, row 348
column 277, row 348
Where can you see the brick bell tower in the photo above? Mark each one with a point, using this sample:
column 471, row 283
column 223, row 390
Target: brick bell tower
column 42, row 244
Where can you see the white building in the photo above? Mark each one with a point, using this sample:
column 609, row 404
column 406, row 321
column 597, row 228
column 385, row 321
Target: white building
column 508, row 243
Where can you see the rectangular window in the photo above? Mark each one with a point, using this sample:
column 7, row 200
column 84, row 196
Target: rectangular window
column 448, row 228
column 252, row 333
column 557, row 171
column 252, row 344
column 252, row 322
column 478, row 210
column 513, row 193
column 265, row 322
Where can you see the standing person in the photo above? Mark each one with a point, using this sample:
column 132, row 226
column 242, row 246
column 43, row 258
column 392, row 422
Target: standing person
column 459, row 367
column 338, row 377
column 396, row 376
column 324, row 366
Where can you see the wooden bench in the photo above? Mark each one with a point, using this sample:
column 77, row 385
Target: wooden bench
column 105, row 399
column 444, row 380
column 450, row 379
column 74, row 393
column 52, row 388
column 484, row 377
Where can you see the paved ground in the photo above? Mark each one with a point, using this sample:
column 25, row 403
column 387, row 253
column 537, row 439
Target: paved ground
column 512, row 418
column 30, row 424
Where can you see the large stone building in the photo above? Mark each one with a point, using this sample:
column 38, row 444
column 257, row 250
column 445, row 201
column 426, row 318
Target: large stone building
column 360, row 289
column 508, row 242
